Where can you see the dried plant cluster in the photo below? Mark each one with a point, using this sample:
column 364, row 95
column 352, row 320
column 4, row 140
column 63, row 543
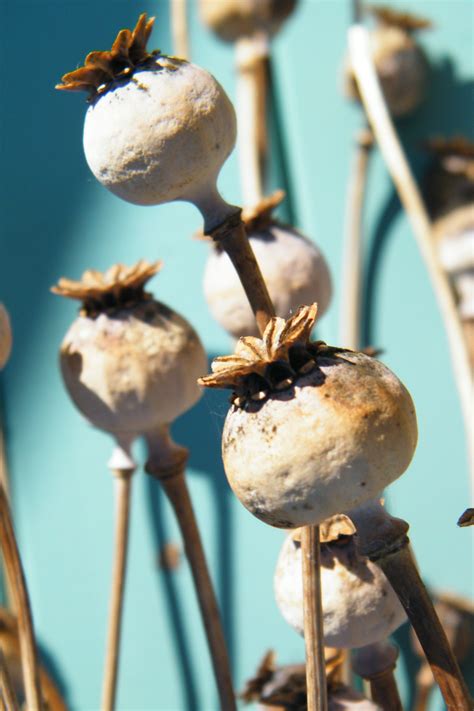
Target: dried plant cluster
column 313, row 434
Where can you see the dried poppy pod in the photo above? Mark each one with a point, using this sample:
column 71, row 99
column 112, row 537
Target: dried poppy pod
column 449, row 182
column 5, row 336
column 129, row 362
column 359, row 606
column 312, row 429
column 233, row 19
column 280, row 688
column 158, row 128
column 400, row 62
column 293, row 268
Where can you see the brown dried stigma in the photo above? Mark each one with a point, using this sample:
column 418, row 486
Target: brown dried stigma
column 404, row 20
column 272, row 363
column 102, row 68
column 117, row 288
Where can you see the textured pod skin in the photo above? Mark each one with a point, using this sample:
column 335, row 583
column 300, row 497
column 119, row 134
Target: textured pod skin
column 233, row 19
column 359, row 605
column 294, row 271
column 329, row 443
column 401, row 67
column 161, row 136
column 134, row 371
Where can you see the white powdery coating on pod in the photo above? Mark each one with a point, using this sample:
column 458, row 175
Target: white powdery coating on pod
column 294, row 271
column 135, row 371
column 323, row 446
column 5, row 336
column 161, row 136
column 359, row 605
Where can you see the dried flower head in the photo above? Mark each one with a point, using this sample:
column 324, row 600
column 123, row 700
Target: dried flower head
column 102, row 68
column 404, row 20
column 335, row 529
column 272, row 363
column 119, row 287
column 260, row 216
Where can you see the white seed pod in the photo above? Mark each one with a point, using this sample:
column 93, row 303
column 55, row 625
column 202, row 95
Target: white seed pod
column 294, row 270
column 162, row 136
column 359, row 605
column 313, row 431
column 131, row 368
column 400, row 63
column 158, row 128
column 5, row 336
column 233, row 19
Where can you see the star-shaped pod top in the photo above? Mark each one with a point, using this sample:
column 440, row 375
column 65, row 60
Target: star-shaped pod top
column 272, row 363
column 404, row 20
column 118, row 287
column 102, row 68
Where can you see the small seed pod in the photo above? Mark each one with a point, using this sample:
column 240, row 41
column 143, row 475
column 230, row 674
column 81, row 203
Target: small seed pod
column 401, row 64
column 129, row 362
column 233, row 19
column 293, row 268
column 359, row 606
column 312, row 429
column 158, row 128
column 5, row 336
column 449, row 181
column 284, row 687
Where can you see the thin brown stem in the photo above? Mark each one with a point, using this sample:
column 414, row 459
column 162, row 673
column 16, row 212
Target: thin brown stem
column 351, row 295
column 123, row 484
column 14, row 570
column 167, row 462
column 252, row 57
column 7, row 692
column 232, row 238
column 313, row 620
column 179, row 28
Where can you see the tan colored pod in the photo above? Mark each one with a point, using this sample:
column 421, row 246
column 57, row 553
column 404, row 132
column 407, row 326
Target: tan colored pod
column 400, row 63
column 313, row 430
column 132, row 368
column 233, row 19
column 294, row 270
column 5, row 336
column 359, row 605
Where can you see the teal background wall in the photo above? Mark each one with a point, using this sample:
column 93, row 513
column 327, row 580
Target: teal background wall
column 57, row 220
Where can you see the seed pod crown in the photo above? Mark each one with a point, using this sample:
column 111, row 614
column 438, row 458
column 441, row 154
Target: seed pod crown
column 119, row 287
column 102, row 68
column 272, row 363
column 404, row 20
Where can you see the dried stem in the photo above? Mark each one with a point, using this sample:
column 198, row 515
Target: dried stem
column 167, row 463
column 313, row 620
column 409, row 194
column 123, row 484
column 383, row 540
column 14, row 570
column 376, row 664
column 7, row 692
column 351, row 295
column 232, row 238
column 252, row 59
column 179, row 28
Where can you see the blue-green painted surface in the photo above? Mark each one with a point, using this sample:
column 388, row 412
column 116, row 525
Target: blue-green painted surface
column 57, row 220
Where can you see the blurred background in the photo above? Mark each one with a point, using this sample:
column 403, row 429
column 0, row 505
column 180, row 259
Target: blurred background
column 56, row 220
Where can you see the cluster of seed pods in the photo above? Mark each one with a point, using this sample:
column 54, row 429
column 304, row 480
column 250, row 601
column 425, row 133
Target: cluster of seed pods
column 312, row 431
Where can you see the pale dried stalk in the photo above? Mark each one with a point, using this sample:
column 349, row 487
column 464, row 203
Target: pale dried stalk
column 313, row 620
column 252, row 58
column 351, row 291
column 14, row 570
column 382, row 126
column 123, row 484
column 179, row 28
column 7, row 692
